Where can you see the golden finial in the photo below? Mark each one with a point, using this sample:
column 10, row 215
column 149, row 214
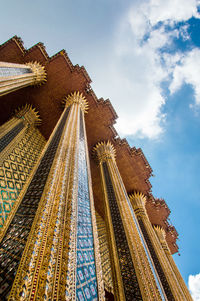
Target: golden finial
column 104, row 150
column 138, row 197
column 29, row 114
column 160, row 232
column 40, row 75
column 77, row 97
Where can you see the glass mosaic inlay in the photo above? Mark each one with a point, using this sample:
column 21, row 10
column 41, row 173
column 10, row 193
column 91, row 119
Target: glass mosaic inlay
column 14, row 241
column 128, row 274
column 156, row 261
column 12, row 71
column 86, row 286
column 8, row 137
column 15, row 170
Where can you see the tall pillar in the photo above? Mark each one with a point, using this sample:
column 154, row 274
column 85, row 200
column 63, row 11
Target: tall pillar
column 171, row 286
column 162, row 238
column 20, row 146
column 61, row 259
column 132, row 275
column 17, row 76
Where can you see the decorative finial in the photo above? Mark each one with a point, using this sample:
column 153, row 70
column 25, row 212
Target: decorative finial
column 104, row 151
column 160, row 232
column 28, row 114
column 138, row 197
column 39, row 73
column 77, row 97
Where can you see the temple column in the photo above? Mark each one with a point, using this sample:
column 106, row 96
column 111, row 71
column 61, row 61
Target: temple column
column 17, row 76
column 166, row 274
column 132, row 275
column 162, row 238
column 20, row 146
column 61, row 259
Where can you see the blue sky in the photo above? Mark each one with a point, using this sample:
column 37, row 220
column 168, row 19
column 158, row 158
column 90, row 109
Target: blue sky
column 145, row 57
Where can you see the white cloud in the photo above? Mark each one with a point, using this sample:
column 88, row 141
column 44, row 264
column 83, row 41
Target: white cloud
column 194, row 286
column 188, row 71
column 136, row 67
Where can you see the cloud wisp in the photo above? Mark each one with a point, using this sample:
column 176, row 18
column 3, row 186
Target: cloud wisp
column 194, row 286
column 142, row 59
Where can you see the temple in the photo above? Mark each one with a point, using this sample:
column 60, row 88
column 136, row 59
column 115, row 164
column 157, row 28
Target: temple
column 78, row 220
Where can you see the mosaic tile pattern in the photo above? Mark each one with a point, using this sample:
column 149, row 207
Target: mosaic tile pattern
column 86, row 287
column 104, row 251
column 156, row 261
column 8, row 137
column 128, row 274
column 16, row 169
column 14, row 241
column 12, row 71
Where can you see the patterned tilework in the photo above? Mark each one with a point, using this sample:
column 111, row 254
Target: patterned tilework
column 8, row 137
column 104, row 251
column 86, row 288
column 14, row 241
column 16, row 169
column 156, row 261
column 128, row 274
column 12, row 71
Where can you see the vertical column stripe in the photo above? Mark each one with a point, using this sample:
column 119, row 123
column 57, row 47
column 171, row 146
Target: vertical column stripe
column 129, row 278
column 14, row 241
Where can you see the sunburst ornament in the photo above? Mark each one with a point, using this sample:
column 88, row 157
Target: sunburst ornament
column 28, row 114
column 104, row 150
column 160, row 232
column 40, row 75
column 77, row 97
column 138, row 197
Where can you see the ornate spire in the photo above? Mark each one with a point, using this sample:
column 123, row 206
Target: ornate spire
column 77, row 97
column 104, row 150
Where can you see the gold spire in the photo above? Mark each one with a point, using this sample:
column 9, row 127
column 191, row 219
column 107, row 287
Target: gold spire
column 104, row 150
column 77, row 97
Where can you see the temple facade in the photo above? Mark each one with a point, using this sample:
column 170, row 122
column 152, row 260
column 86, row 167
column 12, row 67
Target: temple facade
column 78, row 220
